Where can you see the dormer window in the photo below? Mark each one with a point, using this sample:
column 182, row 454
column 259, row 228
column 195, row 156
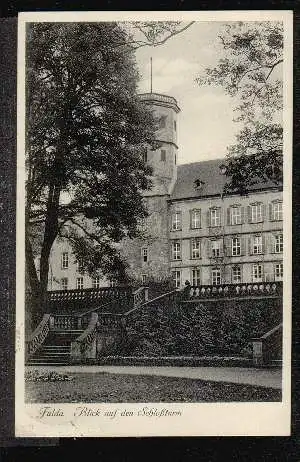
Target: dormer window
column 199, row 184
column 223, row 169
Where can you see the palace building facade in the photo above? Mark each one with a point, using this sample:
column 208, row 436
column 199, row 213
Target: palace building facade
column 193, row 232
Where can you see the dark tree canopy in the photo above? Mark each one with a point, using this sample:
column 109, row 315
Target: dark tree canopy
column 86, row 129
column 250, row 71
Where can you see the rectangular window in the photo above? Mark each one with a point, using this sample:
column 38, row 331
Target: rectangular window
column 257, row 273
column 215, row 217
column 276, row 214
column 257, row 245
column 145, row 156
column 235, row 246
column 176, row 250
column 96, row 282
column 236, row 274
column 162, row 122
column 196, row 278
column 144, row 278
column 216, row 277
column 112, row 283
column 65, row 260
column 256, row 213
column 279, row 243
column 145, row 254
column 216, row 248
column 176, row 221
column 79, row 283
column 195, row 219
column 235, row 215
column 278, row 271
column 64, row 283
column 80, row 266
column 195, row 248
column 175, row 126
column 176, row 275
column 163, row 155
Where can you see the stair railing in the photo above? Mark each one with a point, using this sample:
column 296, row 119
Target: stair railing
column 140, row 296
column 167, row 301
column 63, row 322
column 84, row 347
column 266, row 347
column 38, row 336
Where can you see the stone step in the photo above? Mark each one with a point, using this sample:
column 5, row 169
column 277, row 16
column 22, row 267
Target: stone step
column 38, row 361
column 66, row 332
column 45, row 354
column 55, row 347
column 47, row 363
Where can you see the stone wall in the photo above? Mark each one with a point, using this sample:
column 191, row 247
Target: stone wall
column 155, row 240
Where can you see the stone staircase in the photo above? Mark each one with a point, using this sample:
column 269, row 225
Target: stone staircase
column 55, row 351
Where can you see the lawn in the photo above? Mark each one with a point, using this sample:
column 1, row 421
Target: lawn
column 118, row 388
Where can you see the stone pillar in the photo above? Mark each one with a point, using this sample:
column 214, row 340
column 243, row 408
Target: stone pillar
column 257, row 351
column 75, row 352
column 91, row 350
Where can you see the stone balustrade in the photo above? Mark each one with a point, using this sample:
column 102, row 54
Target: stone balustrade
column 83, row 299
column 38, row 336
column 84, row 347
column 268, row 347
column 140, row 296
column 63, row 322
column 234, row 290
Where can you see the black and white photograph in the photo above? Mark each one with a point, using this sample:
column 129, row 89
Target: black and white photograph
column 154, row 224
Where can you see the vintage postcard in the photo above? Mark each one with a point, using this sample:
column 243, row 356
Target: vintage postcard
column 154, row 224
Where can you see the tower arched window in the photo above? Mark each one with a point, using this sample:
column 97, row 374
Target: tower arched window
column 163, row 121
column 145, row 155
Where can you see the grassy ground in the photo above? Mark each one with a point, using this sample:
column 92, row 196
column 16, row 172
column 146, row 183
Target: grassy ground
column 117, row 388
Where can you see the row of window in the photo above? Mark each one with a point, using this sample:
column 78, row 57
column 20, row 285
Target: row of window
column 232, row 247
column 79, row 283
column 258, row 275
column 65, row 262
column 64, row 283
column 163, row 122
column 163, row 156
column 236, row 215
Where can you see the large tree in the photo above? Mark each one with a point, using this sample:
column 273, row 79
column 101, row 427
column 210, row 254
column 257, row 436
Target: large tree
column 86, row 129
column 250, row 70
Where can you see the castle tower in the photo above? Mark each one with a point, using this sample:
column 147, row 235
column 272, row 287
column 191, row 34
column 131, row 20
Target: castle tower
column 148, row 257
column 163, row 160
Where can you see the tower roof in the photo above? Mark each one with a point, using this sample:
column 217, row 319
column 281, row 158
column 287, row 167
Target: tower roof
column 160, row 100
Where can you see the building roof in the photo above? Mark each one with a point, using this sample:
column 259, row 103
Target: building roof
column 209, row 173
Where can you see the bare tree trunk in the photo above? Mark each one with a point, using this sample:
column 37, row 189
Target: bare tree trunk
column 33, row 309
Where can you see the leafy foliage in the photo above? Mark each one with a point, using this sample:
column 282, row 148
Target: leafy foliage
column 157, row 333
column 86, row 129
column 251, row 72
column 200, row 329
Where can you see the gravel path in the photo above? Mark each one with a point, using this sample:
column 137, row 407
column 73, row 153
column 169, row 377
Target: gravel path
column 270, row 378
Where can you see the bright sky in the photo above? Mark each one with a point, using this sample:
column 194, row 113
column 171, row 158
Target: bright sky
column 205, row 126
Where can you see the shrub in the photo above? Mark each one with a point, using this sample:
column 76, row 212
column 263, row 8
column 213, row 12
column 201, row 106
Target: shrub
column 49, row 376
